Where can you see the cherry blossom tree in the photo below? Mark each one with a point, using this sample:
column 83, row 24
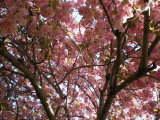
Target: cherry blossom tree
column 79, row 59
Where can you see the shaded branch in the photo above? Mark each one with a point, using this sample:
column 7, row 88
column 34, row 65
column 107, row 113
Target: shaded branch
column 140, row 73
column 115, row 69
column 55, row 86
column 153, row 45
column 144, row 59
column 39, row 91
column 108, row 17
column 106, row 107
column 85, row 66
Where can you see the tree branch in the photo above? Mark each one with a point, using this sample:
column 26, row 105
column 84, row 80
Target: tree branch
column 140, row 73
column 144, row 59
column 108, row 17
column 39, row 91
column 153, row 45
column 115, row 69
column 106, row 107
column 85, row 66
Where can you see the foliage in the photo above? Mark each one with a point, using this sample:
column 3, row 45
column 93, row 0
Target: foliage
column 84, row 59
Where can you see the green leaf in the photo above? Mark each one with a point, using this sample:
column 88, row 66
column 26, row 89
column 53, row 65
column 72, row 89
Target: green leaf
column 37, row 9
column 82, row 46
column 2, row 106
column 87, row 45
column 152, row 23
column 40, row 23
column 96, row 14
column 54, row 28
column 53, row 3
column 49, row 24
column 44, row 42
column 137, row 40
column 157, row 33
column 125, row 2
column 134, row 21
column 49, row 58
column 28, row 17
column 95, row 40
column 52, row 50
column 114, row 12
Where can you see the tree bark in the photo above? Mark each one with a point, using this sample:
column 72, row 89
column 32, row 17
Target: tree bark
column 39, row 91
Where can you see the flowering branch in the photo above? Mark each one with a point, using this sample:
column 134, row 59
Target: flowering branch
column 108, row 17
column 39, row 91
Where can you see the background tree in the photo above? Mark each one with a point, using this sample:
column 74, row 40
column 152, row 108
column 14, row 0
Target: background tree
column 84, row 59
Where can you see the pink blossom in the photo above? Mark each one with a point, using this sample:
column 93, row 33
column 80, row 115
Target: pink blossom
column 47, row 12
column 7, row 26
column 123, row 14
column 86, row 12
column 86, row 22
column 10, row 3
column 93, row 3
column 41, row 3
column 156, row 14
column 158, row 74
column 64, row 57
column 141, row 4
column 20, row 16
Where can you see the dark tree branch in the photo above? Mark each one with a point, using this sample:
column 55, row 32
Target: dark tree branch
column 140, row 73
column 106, row 107
column 113, row 93
column 106, row 84
column 108, row 17
column 116, row 67
column 39, row 91
column 11, row 71
column 56, row 86
column 144, row 58
column 2, row 40
column 146, row 1
column 102, row 94
column 104, row 110
column 73, row 69
column 153, row 45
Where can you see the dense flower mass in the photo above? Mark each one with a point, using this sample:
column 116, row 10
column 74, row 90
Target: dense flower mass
column 79, row 59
